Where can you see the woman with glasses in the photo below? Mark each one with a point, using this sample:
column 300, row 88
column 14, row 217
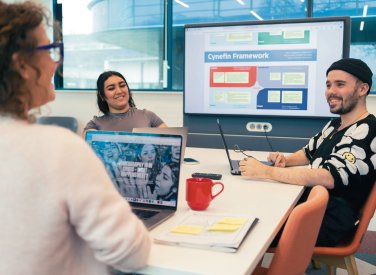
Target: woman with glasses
column 59, row 212
column 114, row 99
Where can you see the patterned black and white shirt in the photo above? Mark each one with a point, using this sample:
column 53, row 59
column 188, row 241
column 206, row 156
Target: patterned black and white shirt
column 349, row 155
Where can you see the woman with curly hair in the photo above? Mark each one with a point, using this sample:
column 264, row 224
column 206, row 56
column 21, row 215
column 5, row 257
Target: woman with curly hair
column 59, row 211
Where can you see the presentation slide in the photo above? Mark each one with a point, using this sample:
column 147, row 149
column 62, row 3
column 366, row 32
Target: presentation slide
column 272, row 69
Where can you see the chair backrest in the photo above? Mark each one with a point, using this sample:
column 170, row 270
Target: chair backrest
column 63, row 121
column 350, row 248
column 294, row 250
column 366, row 215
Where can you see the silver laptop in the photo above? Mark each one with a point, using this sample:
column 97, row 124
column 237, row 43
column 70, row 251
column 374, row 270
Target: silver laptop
column 145, row 169
column 234, row 164
column 182, row 131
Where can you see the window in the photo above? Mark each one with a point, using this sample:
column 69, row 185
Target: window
column 363, row 26
column 144, row 39
column 126, row 36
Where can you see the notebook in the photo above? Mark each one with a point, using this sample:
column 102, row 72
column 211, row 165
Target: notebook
column 205, row 230
column 144, row 168
column 234, row 164
column 182, row 131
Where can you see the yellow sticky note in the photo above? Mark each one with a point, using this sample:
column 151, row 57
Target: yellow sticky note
column 224, row 227
column 233, row 220
column 187, row 229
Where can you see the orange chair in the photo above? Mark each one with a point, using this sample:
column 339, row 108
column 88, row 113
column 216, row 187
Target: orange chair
column 294, row 250
column 343, row 256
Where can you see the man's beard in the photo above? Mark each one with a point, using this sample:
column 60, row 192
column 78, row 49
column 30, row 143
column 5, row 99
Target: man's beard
column 348, row 106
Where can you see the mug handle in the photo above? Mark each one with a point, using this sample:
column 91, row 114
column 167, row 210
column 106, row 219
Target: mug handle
column 220, row 191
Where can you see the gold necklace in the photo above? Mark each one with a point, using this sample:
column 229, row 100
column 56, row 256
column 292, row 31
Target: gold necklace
column 336, row 130
column 357, row 119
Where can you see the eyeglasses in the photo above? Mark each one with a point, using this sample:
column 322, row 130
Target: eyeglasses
column 238, row 150
column 56, row 51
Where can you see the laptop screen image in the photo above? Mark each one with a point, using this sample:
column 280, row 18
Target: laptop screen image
column 144, row 168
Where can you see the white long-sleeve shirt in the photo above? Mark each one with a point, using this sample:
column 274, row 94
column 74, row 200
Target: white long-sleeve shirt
column 59, row 211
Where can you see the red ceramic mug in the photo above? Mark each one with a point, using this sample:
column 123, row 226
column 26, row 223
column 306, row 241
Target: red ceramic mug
column 199, row 192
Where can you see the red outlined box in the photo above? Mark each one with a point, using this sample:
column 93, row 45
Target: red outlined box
column 238, row 76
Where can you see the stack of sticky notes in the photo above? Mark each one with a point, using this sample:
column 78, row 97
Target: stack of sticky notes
column 228, row 224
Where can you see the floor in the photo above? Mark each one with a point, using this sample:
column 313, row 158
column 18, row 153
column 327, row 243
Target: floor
column 365, row 258
column 364, row 267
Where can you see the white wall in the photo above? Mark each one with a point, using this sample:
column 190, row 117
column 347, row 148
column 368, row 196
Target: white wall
column 169, row 106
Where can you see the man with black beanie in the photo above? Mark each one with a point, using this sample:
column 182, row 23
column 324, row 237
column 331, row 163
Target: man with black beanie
column 342, row 157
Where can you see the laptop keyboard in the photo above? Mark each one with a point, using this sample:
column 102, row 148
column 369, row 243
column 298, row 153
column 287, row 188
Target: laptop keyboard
column 144, row 214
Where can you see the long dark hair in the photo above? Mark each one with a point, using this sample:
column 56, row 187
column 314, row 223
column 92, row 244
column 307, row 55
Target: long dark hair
column 101, row 98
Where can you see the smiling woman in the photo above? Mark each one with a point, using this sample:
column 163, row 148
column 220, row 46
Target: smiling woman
column 114, row 99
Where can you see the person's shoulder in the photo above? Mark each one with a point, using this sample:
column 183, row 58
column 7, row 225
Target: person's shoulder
column 92, row 122
column 99, row 117
column 96, row 122
column 146, row 111
column 143, row 111
column 365, row 127
column 334, row 121
column 371, row 119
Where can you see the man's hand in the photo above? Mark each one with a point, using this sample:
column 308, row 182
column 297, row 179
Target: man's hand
column 278, row 159
column 252, row 168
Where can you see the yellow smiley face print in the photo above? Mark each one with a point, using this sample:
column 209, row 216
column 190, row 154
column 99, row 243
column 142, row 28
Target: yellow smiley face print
column 349, row 157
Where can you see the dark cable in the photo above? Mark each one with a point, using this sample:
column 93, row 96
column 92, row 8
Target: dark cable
column 238, row 150
column 267, row 138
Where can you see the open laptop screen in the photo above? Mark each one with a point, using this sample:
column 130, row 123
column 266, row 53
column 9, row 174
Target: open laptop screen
column 144, row 168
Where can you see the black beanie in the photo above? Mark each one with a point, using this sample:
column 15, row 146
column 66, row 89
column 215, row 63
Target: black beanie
column 353, row 66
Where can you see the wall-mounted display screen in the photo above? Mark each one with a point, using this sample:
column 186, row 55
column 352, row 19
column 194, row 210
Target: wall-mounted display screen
column 266, row 68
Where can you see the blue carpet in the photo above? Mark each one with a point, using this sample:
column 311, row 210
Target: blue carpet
column 369, row 258
column 366, row 253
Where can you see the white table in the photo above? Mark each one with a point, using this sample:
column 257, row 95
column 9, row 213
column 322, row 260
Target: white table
column 270, row 201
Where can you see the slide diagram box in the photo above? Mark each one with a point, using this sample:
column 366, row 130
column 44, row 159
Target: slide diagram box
column 293, row 76
column 296, row 37
column 282, row 99
column 239, row 76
